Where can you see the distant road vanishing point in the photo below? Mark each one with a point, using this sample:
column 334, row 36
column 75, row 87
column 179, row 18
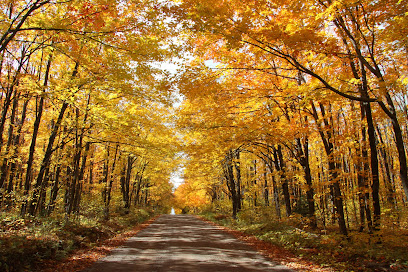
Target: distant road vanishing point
column 183, row 243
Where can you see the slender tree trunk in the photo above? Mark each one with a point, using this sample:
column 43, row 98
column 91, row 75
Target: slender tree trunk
column 274, row 186
column 335, row 186
column 363, row 177
column 54, row 191
column 387, row 169
column 77, row 198
column 237, row 165
column 37, row 121
column 229, row 176
column 399, row 141
column 123, row 186
column 109, row 187
column 304, row 162
column 5, row 166
column 266, row 187
column 139, row 181
column 46, row 161
column 105, row 175
column 375, row 186
column 16, row 147
column 6, row 105
column 125, row 182
column 43, row 193
column 233, row 180
column 280, row 166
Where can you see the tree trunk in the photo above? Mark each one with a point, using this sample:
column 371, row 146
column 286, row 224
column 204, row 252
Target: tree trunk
column 237, row 165
column 46, row 162
column 233, row 180
column 266, row 187
column 37, row 121
column 5, row 166
column 303, row 150
column 16, row 147
column 375, row 186
column 280, row 166
column 327, row 140
column 125, row 182
column 108, row 188
column 54, row 191
column 274, row 185
column 387, row 169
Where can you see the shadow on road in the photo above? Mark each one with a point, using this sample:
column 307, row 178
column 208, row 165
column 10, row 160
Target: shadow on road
column 184, row 243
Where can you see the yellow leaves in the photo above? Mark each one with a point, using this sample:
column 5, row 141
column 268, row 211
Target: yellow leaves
column 404, row 80
column 355, row 81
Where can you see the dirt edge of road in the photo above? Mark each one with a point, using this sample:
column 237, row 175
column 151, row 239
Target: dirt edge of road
column 83, row 258
column 273, row 252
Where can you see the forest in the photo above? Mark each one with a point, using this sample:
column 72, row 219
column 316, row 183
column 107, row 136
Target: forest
column 277, row 112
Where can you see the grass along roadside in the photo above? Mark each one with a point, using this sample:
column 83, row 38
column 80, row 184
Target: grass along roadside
column 46, row 244
column 306, row 250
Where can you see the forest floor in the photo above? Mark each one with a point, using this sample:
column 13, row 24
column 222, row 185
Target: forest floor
column 303, row 250
column 50, row 244
column 83, row 258
column 297, row 249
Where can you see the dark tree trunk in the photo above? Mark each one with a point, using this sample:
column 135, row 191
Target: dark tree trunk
column 399, row 141
column 327, row 140
column 233, row 180
column 108, row 188
column 375, row 186
column 364, row 195
column 280, row 166
column 43, row 193
column 28, row 177
column 6, row 105
column 105, row 175
column 54, row 191
column 5, row 166
column 266, row 187
column 274, row 185
column 138, row 183
column 237, row 165
column 125, row 182
column 46, row 162
column 387, row 169
column 16, row 143
column 303, row 154
column 7, row 102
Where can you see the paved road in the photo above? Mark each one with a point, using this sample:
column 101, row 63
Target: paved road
column 174, row 243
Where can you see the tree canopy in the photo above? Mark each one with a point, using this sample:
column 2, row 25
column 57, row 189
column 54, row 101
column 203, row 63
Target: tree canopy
column 283, row 107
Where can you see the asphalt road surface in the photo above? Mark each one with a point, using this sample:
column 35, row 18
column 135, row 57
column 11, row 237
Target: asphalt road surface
column 184, row 243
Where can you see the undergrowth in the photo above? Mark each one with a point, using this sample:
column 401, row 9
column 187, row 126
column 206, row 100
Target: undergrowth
column 25, row 243
column 386, row 250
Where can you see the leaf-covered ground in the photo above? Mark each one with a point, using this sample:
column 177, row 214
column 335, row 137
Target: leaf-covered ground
column 83, row 258
column 72, row 247
column 306, row 251
column 274, row 252
column 50, row 244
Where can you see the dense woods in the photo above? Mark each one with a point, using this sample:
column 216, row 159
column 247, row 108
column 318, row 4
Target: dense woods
column 290, row 110
column 83, row 108
column 297, row 108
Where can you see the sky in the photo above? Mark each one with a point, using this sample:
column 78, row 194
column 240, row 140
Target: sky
column 177, row 177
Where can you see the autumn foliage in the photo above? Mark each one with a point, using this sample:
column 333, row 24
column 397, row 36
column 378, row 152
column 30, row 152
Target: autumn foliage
column 298, row 108
column 290, row 110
